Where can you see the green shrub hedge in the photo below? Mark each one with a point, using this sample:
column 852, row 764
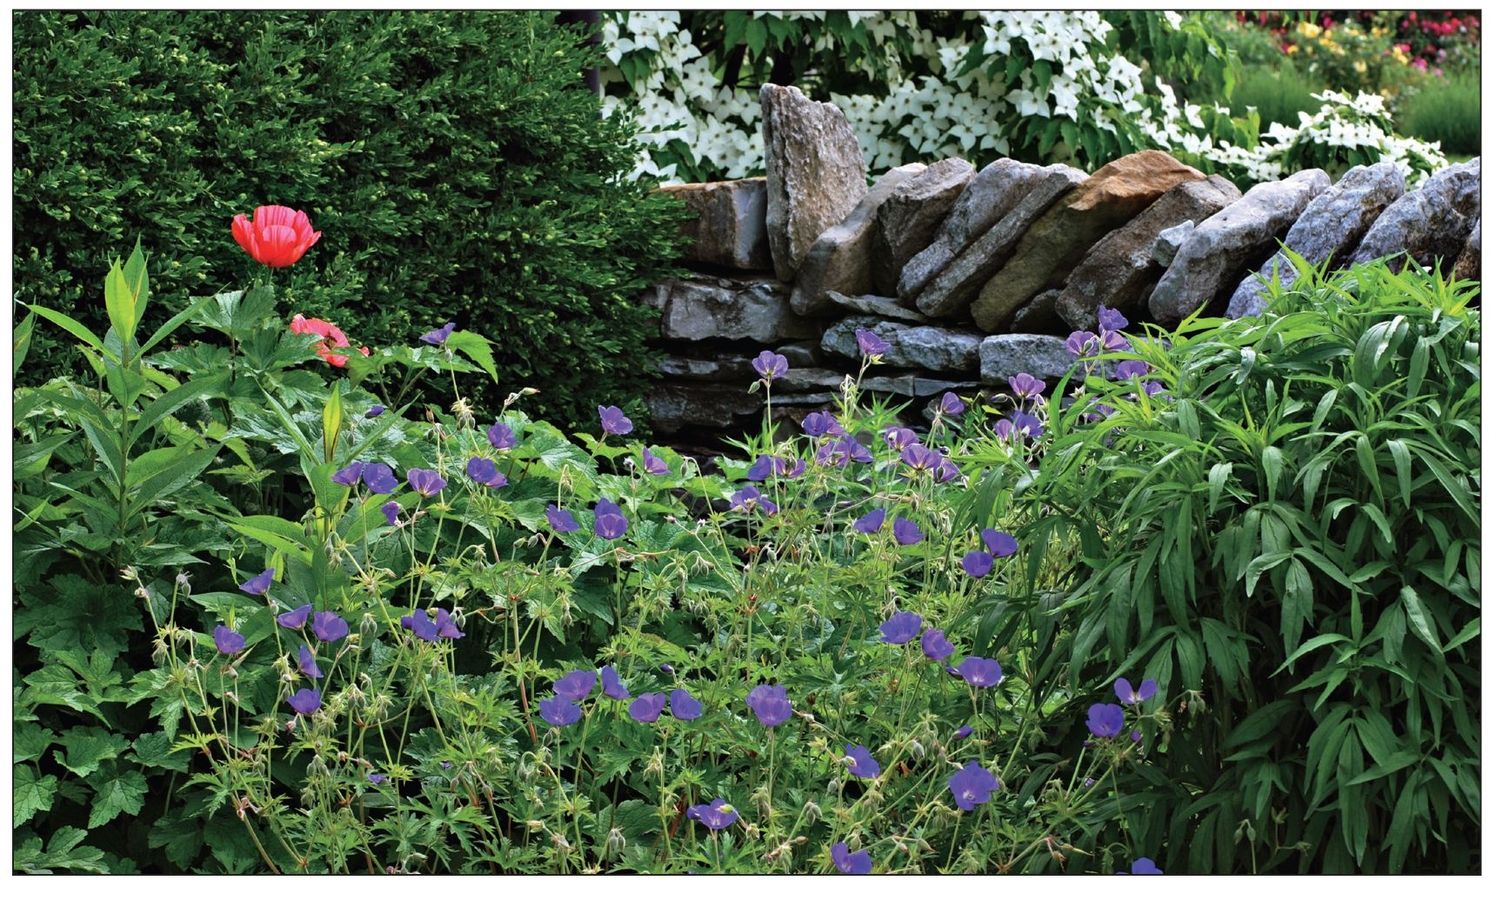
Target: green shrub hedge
column 455, row 163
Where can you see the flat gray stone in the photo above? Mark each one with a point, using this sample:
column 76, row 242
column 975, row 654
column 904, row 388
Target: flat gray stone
column 876, row 304
column 909, row 220
column 719, row 406
column 1006, row 354
column 1223, row 247
column 711, row 366
column 815, row 171
column 1118, row 269
column 935, row 349
column 841, row 260
column 1432, row 222
column 1169, row 241
column 990, row 194
column 1329, row 229
column 702, row 307
column 953, row 289
column 729, row 227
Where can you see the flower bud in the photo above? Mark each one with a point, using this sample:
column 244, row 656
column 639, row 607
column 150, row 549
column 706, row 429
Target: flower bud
column 615, row 844
column 811, row 812
column 916, row 749
column 184, row 583
column 368, row 626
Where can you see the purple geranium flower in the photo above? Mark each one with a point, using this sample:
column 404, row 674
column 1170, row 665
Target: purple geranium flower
column 654, row 465
column 1028, row 424
column 1112, row 341
column 576, row 685
column 818, row 425
column 977, row 563
column 1131, row 368
column 329, row 627
column 980, row 672
column 861, row 762
column 715, row 815
column 1004, row 430
column 374, row 411
column 350, row 474
column 613, row 687
column 764, row 467
column 770, row 365
column 305, row 701
column 973, row 785
column 870, row 522
column 906, row 532
column 483, row 471
column 380, row 478
column 646, row 708
column 1000, row 545
column 963, row 732
column 295, row 618
column 426, row 482
column 683, row 706
column 870, row 344
column 420, row 625
column 376, row 778
column 935, row 645
column 227, row 640
column 260, row 583
column 1109, row 319
column 446, row 626
column 1025, row 386
column 1082, row 343
column 946, row 470
column 898, row 437
column 613, row 421
column 748, row 498
column 608, row 521
column 1144, row 866
column 1105, row 721
column 306, row 661
column 769, row 704
column 920, row 457
column 1130, row 696
column 391, row 511
column 950, row 404
column 560, row 519
column 439, row 336
column 900, row 628
column 501, row 436
column 858, row 864
column 558, row 712
column 1152, row 388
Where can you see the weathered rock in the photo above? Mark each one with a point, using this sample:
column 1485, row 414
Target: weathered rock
column 1468, row 266
column 709, row 307
column 1169, row 241
column 932, row 348
column 875, row 304
column 1040, row 355
column 801, row 354
column 841, row 258
column 1038, row 316
column 1431, row 222
column 954, row 287
column 909, row 219
column 729, row 229
column 991, row 193
column 675, row 406
column 1224, row 246
column 1117, row 270
column 1329, row 229
column 815, row 170
column 728, row 366
column 805, row 380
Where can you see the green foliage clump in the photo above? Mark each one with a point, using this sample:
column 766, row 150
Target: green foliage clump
column 455, row 163
column 1444, row 111
column 1278, row 91
column 1288, row 540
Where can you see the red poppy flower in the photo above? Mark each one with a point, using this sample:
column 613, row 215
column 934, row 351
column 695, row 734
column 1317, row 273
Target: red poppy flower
column 277, row 237
column 330, row 334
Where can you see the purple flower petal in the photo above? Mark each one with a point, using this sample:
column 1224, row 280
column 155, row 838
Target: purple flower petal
column 715, row 815
column 426, row 482
column 613, row 687
column 818, row 425
column 391, row 511
column 1025, row 386
column 260, row 583
column 420, row 625
column 329, row 627
column 977, row 563
column 1105, row 721
column 306, row 661
column 654, row 465
column 305, row 701
column 972, row 786
column 980, row 672
column 501, row 436
column 861, row 762
column 683, row 706
column 935, row 645
column 608, row 520
column 646, row 708
column 439, row 336
column 350, row 474
column 295, row 618
column 870, row 522
column 558, row 712
column 858, row 864
column 613, row 421
column 906, row 532
column 870, row 343
column 227, row 640
column 379, row 478
column 769, row 704
column 576, row 685
column 484, row 472
column 1110, row 319
column 951, row 405
column 901, row 628
column 770, row 365
column 560, row 520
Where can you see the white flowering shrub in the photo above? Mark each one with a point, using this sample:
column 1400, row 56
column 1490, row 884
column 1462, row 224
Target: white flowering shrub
column 1343, row 133
column 1052, row 86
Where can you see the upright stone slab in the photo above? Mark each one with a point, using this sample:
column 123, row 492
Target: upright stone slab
column 908, row 220
column 949, row 292
column 1040, row 355
column 1170, row 240
column 1120, row 268
column 815, row 172
column 1117, row 192
column 935, row 349
column 1223, row 247
column 991, row 193
column 1431, row 222
column 729, row 228
column 1468, row 266
column 1331, row 226
column 875, row 304
column 841, row 258
column 710, row 307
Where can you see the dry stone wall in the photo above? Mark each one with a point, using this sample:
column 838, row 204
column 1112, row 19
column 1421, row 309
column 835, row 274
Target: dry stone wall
column 972, row 276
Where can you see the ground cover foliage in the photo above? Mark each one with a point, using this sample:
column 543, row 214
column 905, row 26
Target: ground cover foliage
column 1209, row 605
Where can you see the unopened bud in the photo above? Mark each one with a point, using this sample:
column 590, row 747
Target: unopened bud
column 811, row 812
column 184, row 583
column 615, row 844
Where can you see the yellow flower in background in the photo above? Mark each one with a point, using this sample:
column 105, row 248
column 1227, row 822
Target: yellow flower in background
column 1309, row 30
column 1291, row 48
column 1360, row 66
